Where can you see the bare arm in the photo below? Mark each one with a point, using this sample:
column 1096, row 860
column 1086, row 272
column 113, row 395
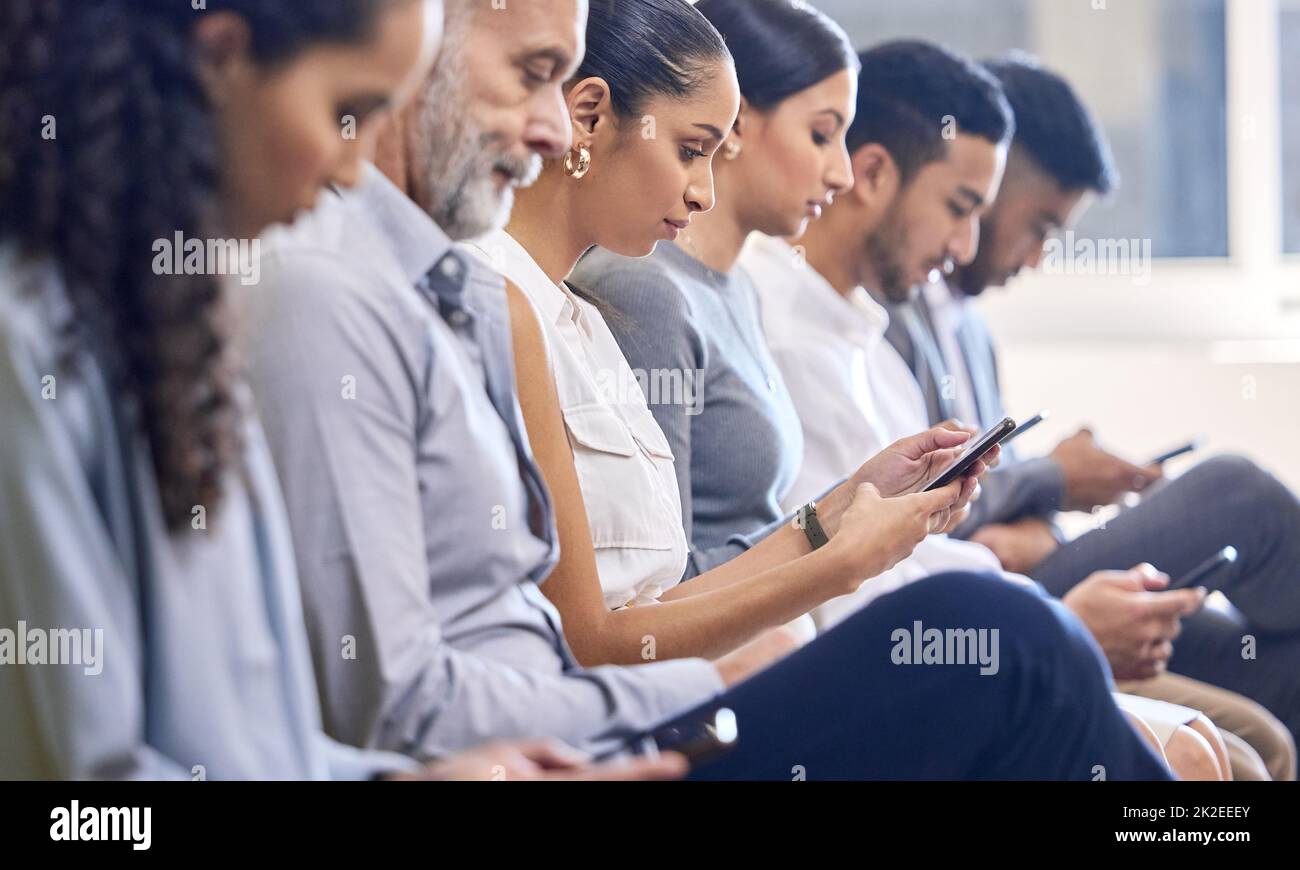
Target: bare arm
column 714, row 620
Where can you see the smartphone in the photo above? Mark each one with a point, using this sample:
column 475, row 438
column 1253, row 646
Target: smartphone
column 702, row 740
column 1221, row 559
column 982, row 445
column 1027, row 425
column 1177, row 451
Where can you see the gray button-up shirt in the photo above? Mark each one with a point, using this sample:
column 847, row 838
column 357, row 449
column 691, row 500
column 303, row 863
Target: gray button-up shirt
column 181, row 654
column 382, row 365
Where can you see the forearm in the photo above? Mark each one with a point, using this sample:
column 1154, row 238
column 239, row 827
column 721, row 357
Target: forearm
column 768, row 548
column 710, row 622
column 781, row 546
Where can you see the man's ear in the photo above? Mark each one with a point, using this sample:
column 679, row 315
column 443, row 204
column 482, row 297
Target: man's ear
column 875, row 175
column 590, row 109
column 222, row 42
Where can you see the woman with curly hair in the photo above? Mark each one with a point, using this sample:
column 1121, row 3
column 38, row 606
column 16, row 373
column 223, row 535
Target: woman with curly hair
column 144, row 557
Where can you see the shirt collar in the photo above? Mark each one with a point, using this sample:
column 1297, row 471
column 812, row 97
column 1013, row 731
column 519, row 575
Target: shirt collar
column 555, row 303
column 417, row 242
column 868, row 318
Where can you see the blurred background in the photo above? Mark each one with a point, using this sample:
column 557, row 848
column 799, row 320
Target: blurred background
column 1201, row 102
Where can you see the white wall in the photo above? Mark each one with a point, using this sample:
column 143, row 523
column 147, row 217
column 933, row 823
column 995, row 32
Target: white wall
column 1142, row 398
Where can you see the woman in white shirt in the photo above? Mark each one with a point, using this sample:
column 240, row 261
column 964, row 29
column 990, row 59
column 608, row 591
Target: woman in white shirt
column 618, row 447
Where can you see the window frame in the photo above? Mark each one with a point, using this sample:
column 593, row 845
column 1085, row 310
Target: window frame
column 1185, row 297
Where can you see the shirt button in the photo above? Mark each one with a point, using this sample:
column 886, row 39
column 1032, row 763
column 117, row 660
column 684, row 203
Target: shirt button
column 458, row 318
column 449, row 267
column 771, row 385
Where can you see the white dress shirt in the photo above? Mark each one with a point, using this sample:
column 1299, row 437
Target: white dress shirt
column 855, row 396
column 624, row 463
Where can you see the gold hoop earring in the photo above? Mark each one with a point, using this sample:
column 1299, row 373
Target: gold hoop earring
column 731, row 151
column 584, row 163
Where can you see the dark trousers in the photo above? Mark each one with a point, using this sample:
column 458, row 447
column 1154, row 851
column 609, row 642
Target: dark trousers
column 843, row 708
column 1226, row 500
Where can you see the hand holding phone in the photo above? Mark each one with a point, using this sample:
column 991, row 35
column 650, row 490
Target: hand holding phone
column 972, row 454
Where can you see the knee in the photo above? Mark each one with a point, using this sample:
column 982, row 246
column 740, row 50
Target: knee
column 1273, row 742
column 1034, row 628
column 1191, row 757
column 1146, row 733
column 1282, row 759
column 971, row 597
column 1236, row 477
column 1208, row 730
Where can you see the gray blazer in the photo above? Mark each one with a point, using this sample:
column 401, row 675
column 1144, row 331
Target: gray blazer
column 1017, row 487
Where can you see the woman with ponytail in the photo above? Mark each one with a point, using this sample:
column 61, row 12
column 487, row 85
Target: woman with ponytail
column 150, row 623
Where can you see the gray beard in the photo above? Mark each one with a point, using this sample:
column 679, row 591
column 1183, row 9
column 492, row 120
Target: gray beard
column 455, row 160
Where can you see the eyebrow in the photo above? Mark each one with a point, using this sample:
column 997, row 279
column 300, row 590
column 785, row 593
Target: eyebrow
column 711, row 130
column 561, row 58
column 839, row 119
column 975, row 199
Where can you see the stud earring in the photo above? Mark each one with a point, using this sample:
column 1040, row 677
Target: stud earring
column 731, row 150
column 584, row 163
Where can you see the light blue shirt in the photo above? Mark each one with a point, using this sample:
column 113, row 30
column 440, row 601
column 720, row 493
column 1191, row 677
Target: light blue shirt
column 382, row 365
column 194, row 660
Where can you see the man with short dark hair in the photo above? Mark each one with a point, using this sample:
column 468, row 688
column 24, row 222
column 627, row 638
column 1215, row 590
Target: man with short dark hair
column 1058, row 164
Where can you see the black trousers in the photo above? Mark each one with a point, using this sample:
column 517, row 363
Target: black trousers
column 1226, row 500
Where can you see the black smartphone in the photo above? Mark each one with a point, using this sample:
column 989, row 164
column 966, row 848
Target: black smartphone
column 1027, row 425
column 701, row 740
column 1177, row 451
column 982, row 445
column 1221, row 559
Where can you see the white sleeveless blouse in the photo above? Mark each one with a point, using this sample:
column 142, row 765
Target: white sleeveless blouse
column 624, row 463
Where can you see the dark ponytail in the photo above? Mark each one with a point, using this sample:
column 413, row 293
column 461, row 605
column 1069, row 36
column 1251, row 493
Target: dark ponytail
column 134, row 159
column 781, row 47
column 648, row 48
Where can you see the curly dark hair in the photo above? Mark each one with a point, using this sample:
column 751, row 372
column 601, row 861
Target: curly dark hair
column 135, row 159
